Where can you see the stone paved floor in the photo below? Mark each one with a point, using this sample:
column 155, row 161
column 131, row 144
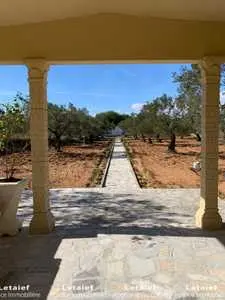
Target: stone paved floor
column 120, row 174
column 117, row 244
column 121, row 245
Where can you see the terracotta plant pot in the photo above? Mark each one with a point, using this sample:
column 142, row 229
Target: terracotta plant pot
column 10, row 194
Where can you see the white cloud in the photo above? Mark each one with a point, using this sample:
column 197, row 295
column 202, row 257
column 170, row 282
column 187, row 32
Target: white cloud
column 137, row 106
column 222, row 97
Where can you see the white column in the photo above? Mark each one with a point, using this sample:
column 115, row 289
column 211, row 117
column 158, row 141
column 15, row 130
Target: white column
column 207, row 216
column 43, row 220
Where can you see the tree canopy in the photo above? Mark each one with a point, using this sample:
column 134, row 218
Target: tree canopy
column 161, row 116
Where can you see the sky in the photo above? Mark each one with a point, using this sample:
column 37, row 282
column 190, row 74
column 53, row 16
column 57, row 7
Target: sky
column 119, row 87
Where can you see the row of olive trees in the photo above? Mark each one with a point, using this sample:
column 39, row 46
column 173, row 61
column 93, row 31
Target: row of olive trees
column 71, row 123
column 162, row 116
column 65, row 123
column 76, row 124
column 174, row 116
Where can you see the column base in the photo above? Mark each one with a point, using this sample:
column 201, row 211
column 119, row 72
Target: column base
column 208, row 219
column 42, row 223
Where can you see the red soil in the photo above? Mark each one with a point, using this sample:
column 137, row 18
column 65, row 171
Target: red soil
column 73, row 167
column 170, row 170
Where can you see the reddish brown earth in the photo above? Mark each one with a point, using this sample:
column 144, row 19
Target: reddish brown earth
column 158, row 168
column 73, row 167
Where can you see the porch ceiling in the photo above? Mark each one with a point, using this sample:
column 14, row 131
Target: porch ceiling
column 112, row 37
column 14, row 12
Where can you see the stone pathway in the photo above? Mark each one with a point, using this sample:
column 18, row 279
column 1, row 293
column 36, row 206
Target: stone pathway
column 121, row 174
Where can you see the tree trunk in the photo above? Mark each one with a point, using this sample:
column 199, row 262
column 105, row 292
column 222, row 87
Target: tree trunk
column 172, row 144
column 198, row 138
column 58, row 144
column 158, row 139
column 143, row 137
column 91, row 139
column 150, row 140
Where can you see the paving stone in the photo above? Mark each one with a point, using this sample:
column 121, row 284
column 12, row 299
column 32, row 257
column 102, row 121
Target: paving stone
column 114, row 270
column 140, row 267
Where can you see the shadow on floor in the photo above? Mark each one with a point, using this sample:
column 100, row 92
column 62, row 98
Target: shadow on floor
column 29, row 260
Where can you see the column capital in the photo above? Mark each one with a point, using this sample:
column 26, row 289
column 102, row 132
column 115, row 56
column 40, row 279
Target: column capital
column 210, row 66
column 37, row 68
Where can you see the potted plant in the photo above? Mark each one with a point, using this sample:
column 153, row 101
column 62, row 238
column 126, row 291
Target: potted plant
column 12, row 123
